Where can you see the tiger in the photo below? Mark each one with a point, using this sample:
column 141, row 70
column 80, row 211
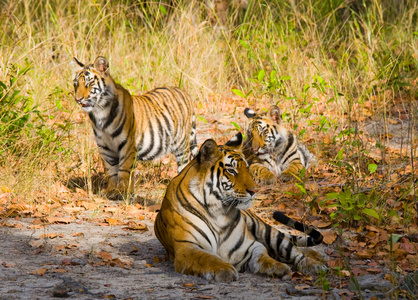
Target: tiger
column 129, row 128
column 204, row 223
column 272, row 150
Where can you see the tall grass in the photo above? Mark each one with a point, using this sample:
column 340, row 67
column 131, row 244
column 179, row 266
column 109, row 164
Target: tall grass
column 357, row 50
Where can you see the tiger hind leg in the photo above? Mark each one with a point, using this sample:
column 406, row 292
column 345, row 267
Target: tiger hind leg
column 312, row 262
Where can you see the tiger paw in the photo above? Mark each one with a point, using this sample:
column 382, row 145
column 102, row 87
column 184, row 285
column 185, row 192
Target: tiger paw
column 224, row 273
column 274, row 268
column 311, row 266
column 112, row 194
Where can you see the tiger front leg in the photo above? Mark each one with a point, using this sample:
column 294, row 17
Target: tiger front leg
column 191, row 260
column 125, row 180
column 118, row 170
column 111, row 167
column 262, row 263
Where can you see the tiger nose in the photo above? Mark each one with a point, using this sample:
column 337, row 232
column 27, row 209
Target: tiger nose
column 252, row 192
column 78, row 99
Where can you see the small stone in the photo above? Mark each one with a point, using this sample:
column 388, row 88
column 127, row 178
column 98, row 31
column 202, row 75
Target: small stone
column 371, row 282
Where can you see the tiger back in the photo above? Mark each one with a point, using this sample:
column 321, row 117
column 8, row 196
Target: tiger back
column 272, row 150
column 205, row 225
column 129, row 128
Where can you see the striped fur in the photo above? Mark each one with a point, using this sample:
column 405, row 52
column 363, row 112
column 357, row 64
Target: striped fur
column 271, row 150
column 206, row 228
column 129, row 128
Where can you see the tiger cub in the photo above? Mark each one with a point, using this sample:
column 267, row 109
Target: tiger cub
column 205, row 226
column 272, row 150
column 129, row 128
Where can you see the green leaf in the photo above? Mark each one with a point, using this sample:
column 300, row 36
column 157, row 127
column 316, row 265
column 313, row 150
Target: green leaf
column 236, row 126
column 201, row 119
column 371, row 213
column 58, row 104
column 163, row 10
column 331, row 196
column 244, row 44
column 301, row 188
column 238, row 93
column 372, row 168
column 394, row 238
column 261, row 75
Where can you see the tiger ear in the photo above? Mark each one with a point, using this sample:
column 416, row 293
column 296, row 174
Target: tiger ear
column 275, row 114
column 235, row 142
column 101, row 64
column 249, row 113
column 75, row 66
column 208, row 154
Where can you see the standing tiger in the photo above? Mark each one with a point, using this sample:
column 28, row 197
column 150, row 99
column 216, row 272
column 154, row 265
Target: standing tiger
column 204, row 225
column 272, row 150
column 129, row 127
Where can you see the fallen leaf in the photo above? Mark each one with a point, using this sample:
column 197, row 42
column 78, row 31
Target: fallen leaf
column 70, row 208
column 104, row 255
column 203, row 297
column 66, row 262
column 18, row 207
column 39, row 272
column 374, row 270
column 117, row 261
column 357, row 271
column 132, row 225
column 36, row 244
column 335, row 263
column 112, row 209
column 321, row 224
column 189, row 285
column 300, row 287
column 48, row 236
column 364, row 253
column 77, row 234
column 69, row 246
column 329, row 236
column 6, row 265
column 58, row 271
column 87, row 205
column 59, row 247
column 392, row 121
column 112, row 221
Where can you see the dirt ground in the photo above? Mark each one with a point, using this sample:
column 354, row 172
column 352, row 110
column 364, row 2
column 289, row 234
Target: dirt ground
column 81, row 267
column 87, row 260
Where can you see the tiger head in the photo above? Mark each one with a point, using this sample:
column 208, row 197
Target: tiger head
column 93, row 85
column 265, row 134
column 226, row 181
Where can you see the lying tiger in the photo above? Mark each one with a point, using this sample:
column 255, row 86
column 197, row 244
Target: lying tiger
column 129, row 128
column 205, row 226
column 272, row 150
